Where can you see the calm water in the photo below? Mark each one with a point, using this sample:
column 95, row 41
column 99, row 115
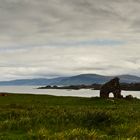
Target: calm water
column 56, row 92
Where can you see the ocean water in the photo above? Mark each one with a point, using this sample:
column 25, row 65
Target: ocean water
column 58, row 92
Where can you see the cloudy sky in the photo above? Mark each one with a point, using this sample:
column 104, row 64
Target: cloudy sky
column 50, row 38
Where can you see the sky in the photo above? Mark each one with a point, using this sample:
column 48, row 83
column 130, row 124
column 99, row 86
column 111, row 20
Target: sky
column 51, row 38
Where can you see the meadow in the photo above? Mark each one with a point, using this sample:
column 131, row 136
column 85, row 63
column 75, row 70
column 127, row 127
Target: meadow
column 42, row 117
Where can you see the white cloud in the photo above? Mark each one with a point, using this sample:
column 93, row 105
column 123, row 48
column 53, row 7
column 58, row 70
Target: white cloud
column 56, row 61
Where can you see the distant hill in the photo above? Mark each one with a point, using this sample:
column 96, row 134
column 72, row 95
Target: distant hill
column 94, row 78
column 86, row 79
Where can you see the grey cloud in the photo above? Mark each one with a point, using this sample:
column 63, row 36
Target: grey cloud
column 60, row 37
column 20, row 20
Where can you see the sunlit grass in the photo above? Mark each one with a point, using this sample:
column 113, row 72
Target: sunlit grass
column 37, row 117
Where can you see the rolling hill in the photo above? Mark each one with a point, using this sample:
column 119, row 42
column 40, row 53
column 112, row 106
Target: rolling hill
column 72, row 80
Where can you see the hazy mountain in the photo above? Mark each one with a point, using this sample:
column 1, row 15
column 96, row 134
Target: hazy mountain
column 73, row 80
column 38, row 81
column 94, row 78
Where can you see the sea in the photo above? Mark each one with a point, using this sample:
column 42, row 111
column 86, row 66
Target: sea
column 59, row 92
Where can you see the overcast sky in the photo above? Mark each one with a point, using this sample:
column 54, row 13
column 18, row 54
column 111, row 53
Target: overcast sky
column 50, row 38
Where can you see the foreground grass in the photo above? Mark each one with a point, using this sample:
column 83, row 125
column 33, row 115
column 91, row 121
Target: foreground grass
column 39, row 117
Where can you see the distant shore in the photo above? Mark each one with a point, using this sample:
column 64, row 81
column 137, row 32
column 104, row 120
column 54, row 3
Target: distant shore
column 124, row 86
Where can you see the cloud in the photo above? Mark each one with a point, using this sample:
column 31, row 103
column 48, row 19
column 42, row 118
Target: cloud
column 61, row 37
column 62, row 61
column 36, row 22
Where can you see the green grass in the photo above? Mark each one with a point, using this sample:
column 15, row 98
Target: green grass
column 42, row 117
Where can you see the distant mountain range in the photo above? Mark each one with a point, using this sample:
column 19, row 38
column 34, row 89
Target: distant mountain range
column 86, row 79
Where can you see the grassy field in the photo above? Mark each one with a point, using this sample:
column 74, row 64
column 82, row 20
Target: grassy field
column 42, row 117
